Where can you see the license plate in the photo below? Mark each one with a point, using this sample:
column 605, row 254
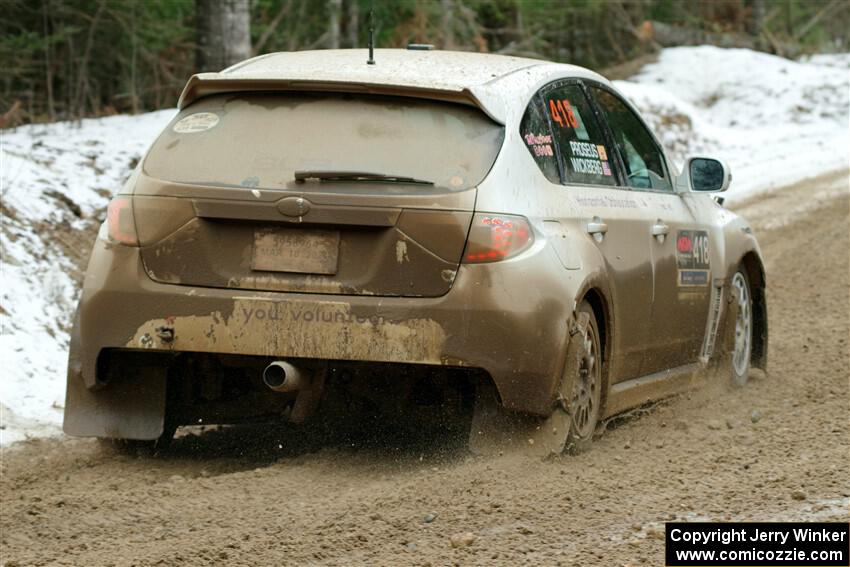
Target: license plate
column 296, row 250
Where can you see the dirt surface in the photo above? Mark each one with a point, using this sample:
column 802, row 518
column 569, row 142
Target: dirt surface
column 776, row 449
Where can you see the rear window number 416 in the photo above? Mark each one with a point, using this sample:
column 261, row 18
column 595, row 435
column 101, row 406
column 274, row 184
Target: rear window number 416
column 561, row 112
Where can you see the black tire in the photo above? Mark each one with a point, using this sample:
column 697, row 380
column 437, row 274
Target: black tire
column 740, row 327
column 582, row 383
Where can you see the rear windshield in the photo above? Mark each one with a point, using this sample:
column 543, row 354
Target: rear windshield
column 261, row 140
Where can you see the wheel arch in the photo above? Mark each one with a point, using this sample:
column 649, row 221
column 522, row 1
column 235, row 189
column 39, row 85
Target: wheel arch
column 600, row 308
column 754, row 268
column 599, row 302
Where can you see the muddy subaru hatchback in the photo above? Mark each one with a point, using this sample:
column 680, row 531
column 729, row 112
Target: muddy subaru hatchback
column 435, row 233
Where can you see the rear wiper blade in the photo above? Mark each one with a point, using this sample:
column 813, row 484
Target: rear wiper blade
column 302, row 176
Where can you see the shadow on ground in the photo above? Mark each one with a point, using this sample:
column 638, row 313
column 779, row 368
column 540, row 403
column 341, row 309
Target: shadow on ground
column 259, row 445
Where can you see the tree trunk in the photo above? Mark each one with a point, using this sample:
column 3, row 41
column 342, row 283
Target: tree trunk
column 353, row 27
column 48, row 66
column 134, row 41
column 447, row 25
column 293, row 37
column 334, row 8
column 272, row 27
column 83, row 86
column 223, row 33
column 759, row 13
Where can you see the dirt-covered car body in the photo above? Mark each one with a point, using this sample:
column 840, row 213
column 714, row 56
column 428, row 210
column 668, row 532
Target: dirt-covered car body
column 439, row 212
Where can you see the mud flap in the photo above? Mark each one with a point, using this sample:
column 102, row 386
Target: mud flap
column 496, row 431
column 130, row 406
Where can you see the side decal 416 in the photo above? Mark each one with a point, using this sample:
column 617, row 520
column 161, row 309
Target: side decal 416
column 692, row 257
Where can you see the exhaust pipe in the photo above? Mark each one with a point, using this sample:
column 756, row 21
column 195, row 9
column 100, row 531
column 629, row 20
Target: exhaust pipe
column 282, row 376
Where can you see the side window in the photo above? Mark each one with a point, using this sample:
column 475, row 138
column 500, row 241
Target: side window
column 578, row 136
column 642, row 159
column 538, row 140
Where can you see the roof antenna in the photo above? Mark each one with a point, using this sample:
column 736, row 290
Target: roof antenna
column 371, row 60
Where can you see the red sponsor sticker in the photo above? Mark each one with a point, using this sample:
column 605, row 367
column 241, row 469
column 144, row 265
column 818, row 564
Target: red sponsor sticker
column 683, row 244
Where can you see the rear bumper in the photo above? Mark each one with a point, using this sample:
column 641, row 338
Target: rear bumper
column 508, row 318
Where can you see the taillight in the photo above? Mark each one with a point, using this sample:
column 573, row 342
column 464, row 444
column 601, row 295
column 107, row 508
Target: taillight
column 120, row 223
column 496, row 237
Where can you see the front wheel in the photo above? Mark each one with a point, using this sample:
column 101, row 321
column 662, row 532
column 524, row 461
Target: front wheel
column 741, row 351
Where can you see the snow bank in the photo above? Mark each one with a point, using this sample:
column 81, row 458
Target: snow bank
column 775, row 121
column 52, row 175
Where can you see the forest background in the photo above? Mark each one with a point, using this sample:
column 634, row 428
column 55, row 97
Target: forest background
column 68, row 59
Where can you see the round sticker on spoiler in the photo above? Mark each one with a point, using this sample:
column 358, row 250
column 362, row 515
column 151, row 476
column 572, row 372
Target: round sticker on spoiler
column 197, row 122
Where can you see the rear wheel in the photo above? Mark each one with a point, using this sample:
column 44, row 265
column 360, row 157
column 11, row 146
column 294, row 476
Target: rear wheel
column 142, row 447
column 581, row 385
column 572, row 423
column 741, row 351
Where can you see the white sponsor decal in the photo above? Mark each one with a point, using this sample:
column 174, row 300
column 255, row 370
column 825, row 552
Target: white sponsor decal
column 582, row 165
column 198, row 122
column 584, row 149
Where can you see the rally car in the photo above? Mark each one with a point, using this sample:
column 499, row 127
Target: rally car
column 436, row 231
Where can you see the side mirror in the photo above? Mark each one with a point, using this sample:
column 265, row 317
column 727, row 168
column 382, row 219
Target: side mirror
column 704, row 175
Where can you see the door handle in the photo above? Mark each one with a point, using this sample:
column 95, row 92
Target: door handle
column 597, row 229
column 659, row 231
column 596, row 226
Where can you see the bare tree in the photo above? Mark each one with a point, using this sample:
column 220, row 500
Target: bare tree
column 223, row 29
column 83, row 89
column 51, row 110
column 334, row 8
column 352, row 27
column 272, row 27
column 755, row 25
column 447, row 24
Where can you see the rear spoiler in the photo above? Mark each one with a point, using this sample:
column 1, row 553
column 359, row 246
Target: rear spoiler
column 206, row 84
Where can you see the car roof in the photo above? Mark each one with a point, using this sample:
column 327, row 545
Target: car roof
column 444, row 70
column 452, row 75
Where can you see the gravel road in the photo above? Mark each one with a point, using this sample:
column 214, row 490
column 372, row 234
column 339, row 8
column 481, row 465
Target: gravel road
column 776, row 449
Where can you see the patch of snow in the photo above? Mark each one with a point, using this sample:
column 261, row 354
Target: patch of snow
column 774, row 121
column 84, row 163
column 837, row 60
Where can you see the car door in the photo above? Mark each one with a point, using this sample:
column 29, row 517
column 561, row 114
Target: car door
column 608, row 215
column 679, row 243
